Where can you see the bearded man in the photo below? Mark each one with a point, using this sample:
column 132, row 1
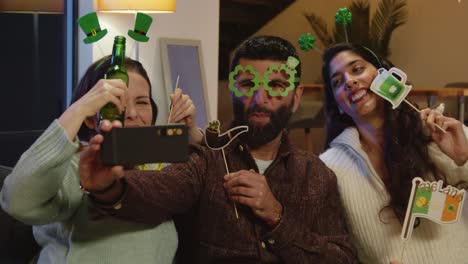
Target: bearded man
column 288, row 205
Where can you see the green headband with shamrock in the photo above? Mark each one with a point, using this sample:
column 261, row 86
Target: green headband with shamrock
column 342, row 17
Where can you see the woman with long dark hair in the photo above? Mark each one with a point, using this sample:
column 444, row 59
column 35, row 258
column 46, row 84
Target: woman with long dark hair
column 376, row 151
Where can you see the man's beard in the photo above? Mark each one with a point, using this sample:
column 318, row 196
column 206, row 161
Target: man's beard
column 259, row 135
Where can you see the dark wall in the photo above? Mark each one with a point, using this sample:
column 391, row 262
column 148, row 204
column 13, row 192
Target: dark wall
column 33, row 79
column 17, row 244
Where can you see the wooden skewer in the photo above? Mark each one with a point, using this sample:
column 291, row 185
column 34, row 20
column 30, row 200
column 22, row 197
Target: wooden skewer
column 227, row 170
column 419, row 111
column 403, row 251
column 170, row 110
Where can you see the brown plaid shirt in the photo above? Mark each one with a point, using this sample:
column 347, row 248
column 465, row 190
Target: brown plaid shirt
column 312, row 228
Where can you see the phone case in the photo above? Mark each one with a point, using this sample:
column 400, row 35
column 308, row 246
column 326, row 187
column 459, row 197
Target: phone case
column 138, row 145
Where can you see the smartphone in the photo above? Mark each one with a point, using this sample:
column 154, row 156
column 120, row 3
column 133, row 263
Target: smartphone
column 132, row 146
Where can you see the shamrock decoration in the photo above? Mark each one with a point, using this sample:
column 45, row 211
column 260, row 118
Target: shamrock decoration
column 290, row 69
column 306, row 42
column 343, row 16
column 283, row 68
column 232, row 81
column 292, row 62
column 213, row 126
column 247, row 85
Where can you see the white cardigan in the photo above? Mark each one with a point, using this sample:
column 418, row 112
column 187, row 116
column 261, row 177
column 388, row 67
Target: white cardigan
column 363, row 196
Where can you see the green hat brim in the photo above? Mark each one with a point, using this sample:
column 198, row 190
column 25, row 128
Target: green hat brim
column 137, row 37
column 95, row 38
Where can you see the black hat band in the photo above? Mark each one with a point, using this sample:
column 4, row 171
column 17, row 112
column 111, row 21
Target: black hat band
column 140, row 32
column 93, row 32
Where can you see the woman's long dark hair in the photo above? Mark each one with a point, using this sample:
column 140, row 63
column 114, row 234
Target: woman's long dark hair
column 406, row 152
column 94, row 73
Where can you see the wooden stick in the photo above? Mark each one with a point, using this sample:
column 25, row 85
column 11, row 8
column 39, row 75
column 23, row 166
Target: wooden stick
column 318, row 50
column 170, row 110
column 419, row 111
column 227, row 170
column 346, row 34
column 131, row 49
column 403, row 251
column 101, row 50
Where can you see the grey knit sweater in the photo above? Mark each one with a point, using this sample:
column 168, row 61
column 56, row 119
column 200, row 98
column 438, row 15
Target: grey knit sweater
column 43, row 190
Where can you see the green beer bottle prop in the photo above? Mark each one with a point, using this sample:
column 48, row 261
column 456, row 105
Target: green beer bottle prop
column 116, row 71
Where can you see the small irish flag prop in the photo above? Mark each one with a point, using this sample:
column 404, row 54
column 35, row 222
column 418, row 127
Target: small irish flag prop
column 429, row 200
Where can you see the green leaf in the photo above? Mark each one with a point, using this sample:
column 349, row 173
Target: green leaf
column 390, row 14
column 320, row 28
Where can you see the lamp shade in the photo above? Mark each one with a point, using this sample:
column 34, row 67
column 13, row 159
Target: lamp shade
column 32, row 6
column 131, row 6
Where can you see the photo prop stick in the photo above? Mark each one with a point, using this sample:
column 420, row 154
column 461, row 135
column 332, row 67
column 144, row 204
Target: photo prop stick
column 440, row 108
column 170, row 110
column 307, row 42
column 247, row 86
column 393, row 89
column 344, row 18
column 142, row 25
column 255, row 81
column 429, row 200
column 215, row 141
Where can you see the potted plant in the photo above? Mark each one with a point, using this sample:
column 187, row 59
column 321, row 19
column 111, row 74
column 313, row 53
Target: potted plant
column 373, row 33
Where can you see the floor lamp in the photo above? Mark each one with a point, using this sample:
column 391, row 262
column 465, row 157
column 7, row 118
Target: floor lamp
column 132, row 7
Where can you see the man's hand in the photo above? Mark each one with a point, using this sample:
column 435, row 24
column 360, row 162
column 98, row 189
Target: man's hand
column 93, row 174
column 252, row 189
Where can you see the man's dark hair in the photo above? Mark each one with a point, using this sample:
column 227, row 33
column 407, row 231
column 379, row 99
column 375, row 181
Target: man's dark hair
column 265, row 48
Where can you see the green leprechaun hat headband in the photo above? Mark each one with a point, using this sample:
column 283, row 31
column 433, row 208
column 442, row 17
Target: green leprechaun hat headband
column 142, row 24
column 89, row 23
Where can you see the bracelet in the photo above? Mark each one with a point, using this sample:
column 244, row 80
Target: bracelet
column 100, row 191
column 115, row 205
column 277, row 220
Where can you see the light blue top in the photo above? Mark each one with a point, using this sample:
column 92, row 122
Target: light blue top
column 43, row 190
